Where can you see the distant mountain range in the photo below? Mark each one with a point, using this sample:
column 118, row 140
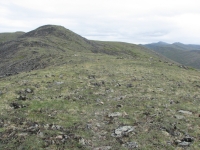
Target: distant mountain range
column 186, row 54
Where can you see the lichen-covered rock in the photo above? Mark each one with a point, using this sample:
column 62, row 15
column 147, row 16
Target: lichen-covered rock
column 185, row 112
column 115, row 114
column 121, row 131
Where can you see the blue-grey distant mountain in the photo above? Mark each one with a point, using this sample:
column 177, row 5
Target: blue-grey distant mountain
column 186, row 54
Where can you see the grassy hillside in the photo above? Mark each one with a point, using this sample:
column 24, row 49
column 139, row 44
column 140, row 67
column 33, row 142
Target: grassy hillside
column 42, row 47
column 117, row 96
column 4, row 37
column 53, row 45
column 185, row 54
column 186, row 47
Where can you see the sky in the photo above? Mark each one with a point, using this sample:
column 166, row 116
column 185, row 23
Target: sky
column 132, row 21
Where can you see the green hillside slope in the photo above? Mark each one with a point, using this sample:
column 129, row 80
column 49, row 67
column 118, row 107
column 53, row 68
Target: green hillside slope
column 4, row 37
column 185, row 54
column 105, row 95
column 54, row 45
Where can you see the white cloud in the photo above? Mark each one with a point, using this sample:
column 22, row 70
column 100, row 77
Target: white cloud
column 135, row 21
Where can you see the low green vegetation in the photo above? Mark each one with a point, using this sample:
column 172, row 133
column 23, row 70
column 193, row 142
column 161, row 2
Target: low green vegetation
column 67, row 106
column 4, row 37
column 188, row 55
column 72, row 93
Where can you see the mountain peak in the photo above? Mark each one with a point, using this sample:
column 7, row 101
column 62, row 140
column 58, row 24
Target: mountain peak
column 177, row 43
column 46, row 30
column 162, row 43
column 51, row 27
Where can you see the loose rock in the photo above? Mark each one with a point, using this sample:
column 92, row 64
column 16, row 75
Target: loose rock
column 121, row 131
column 21, row 97
column 129, row 85
column 119, row 106
column 185, row 112
column 101, row 103
column 59, row 83
column 59, row 137
column 16, row 105
column 165, row 133
column 115, row 114
column 41, row 134
column 179, row 117
column 82, row 141
column 89, row 126
column 28, row 90
column 98, row 125
column 186, row 141
column 182, row 144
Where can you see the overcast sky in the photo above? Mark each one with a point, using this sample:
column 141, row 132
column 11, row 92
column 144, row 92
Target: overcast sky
column 133, row 21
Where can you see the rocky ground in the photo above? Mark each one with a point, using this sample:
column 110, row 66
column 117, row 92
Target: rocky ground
column 102, row 103
column 66, row 92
